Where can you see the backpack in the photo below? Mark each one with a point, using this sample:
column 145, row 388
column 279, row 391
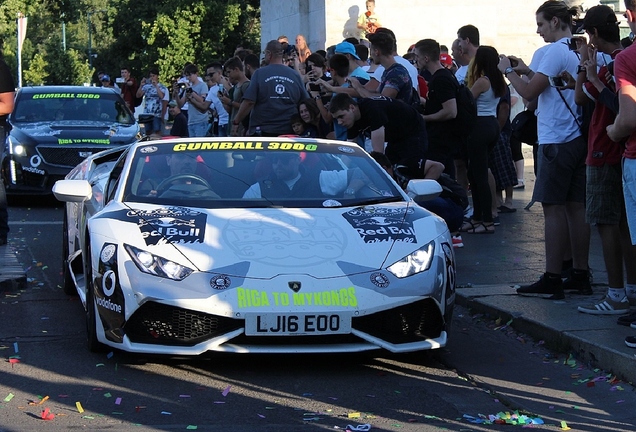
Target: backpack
column 466, row 111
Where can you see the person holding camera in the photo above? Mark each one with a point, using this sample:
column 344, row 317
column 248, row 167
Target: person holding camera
column 216, row 89
column 128, row 86
column 560, row 184
column 156, row 97
column 194, row 94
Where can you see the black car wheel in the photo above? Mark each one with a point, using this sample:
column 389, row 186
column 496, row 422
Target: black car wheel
column 94, row 345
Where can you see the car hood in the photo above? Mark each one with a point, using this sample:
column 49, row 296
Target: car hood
column 275, row 241
column 75, row 132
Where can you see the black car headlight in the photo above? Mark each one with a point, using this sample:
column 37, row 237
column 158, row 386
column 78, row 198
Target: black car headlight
column 15, row 147
column 156, row 265
column 416, row 262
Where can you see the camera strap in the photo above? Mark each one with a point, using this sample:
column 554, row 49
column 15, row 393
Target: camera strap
column 570, row 109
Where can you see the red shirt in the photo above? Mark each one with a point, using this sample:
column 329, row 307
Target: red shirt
column 601, row 149
column 625, row 74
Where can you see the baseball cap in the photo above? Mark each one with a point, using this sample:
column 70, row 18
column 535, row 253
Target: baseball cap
column 599, row 16
column 105, row 77
column 172, row 103
column 346, row 48
column 445, row 59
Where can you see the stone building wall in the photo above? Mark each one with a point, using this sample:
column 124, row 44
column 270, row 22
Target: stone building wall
column 508, row 25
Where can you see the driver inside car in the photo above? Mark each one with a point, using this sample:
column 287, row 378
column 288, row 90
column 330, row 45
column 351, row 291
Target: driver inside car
column 289, row 180
column 182, row 181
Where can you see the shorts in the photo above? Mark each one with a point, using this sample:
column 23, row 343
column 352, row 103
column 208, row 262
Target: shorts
column 629, row 191
column 561, row 172
column 604, row 204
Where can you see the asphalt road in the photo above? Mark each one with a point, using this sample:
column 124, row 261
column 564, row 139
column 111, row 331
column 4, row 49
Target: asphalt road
column 486, row 369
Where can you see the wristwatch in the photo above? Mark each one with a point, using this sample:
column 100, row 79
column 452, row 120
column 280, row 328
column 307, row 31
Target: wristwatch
column 580, row 68
column 508, row 70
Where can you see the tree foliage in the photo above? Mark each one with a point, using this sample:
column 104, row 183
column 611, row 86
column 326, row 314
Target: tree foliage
column 137, row 34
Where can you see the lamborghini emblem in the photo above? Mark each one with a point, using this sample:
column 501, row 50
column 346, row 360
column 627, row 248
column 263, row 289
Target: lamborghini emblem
column 294, row 286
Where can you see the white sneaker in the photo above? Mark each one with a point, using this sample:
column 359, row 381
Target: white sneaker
column 520, row 184
column 607, row 306
column 458, row 242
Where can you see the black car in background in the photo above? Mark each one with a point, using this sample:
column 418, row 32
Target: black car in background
column 53, row 128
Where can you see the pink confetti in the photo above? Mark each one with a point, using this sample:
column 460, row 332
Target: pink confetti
column 118, row 401
column 226, row 391
column 260, row 415
column 620, row 401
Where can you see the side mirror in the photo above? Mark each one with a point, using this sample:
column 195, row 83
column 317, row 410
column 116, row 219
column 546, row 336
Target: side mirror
column 423, row 189
column 72, row 190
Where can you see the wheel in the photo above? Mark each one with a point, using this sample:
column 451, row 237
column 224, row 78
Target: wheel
column 68, row 285
column 93, row 344
column 164, row 185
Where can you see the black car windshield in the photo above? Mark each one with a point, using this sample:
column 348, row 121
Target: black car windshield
column 72, row 106
column 217, row 174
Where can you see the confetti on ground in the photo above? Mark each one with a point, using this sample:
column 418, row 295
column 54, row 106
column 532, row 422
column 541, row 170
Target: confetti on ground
column 9, row 397
column 107, row 395
column 109, row 355
column 260, row 415
column 184, row 396
column 219, row 402
column 353, row 415
column 47, row 414
column 504, row 418
column 192, row 427
column 118, row 401
column 99, row 365
column 79, row 407
column 15, row 347
column 226, row 391
column 166, row 413
column 44, row 399
column 564, row 426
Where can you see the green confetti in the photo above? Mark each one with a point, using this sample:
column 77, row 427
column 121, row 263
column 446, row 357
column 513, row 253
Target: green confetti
column 192, row 427
column 9, row 397
column 89, row 417
column 107, row 395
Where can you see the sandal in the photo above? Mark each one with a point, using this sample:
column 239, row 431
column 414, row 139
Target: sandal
column 482, row 228
column 469, row 226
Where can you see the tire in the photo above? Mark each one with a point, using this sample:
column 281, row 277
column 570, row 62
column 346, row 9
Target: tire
column 93, row 344
column 68, row 285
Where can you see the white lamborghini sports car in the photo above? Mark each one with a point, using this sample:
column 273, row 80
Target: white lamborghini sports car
column 267, row 245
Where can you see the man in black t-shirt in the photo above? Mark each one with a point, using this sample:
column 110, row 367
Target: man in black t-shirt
column 7, row 94
column 441, row 106
column 387, row 120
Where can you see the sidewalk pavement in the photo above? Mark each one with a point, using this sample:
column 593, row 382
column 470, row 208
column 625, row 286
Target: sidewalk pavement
column 490, row 267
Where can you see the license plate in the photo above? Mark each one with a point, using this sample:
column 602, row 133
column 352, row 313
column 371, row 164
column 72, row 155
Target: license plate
column 296, row 324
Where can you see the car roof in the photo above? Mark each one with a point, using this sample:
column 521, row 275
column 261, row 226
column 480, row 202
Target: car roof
column 65, row 89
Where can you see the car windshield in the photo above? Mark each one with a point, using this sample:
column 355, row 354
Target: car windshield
column 217, row 174
column 73, row 106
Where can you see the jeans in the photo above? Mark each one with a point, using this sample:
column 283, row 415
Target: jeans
column 629, row 191
column 198, row 129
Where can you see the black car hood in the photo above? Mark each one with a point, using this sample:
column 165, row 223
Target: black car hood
column 75, row 132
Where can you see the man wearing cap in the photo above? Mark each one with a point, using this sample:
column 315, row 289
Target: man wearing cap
column 179, row 120
column 355, row 70
column 604, row 195
column 107, row 83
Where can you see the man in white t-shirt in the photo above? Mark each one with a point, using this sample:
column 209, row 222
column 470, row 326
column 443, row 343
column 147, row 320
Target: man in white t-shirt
column 198, row 118
column 560, row 185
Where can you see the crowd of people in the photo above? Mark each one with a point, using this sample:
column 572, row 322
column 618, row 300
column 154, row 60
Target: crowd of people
column 409, row 111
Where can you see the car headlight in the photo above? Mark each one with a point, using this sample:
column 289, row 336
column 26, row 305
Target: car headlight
column 15, row 147
column 156, row 265
column 416, row 262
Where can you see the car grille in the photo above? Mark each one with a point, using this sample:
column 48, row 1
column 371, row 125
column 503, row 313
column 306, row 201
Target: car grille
column 159, row 324
column 409, row 323
column 67, row 156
